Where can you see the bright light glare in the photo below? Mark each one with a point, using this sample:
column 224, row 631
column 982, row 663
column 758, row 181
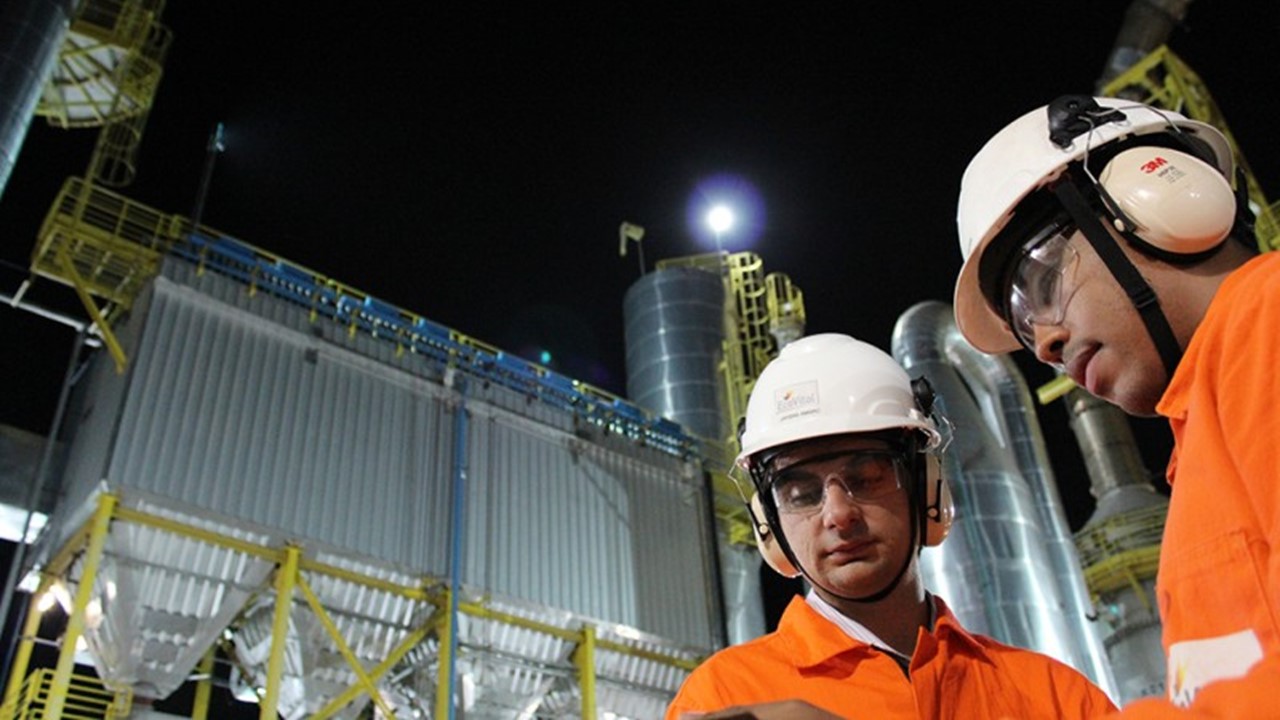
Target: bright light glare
column 725, row 210
column 720, row 219
column 58, row 594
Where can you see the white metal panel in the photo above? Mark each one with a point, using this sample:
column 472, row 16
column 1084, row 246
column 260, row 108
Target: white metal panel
column 236, row 415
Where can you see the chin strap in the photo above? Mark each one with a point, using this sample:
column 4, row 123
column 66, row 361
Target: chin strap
column 1140, row 293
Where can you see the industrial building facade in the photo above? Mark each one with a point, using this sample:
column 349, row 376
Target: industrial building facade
column 246, row 414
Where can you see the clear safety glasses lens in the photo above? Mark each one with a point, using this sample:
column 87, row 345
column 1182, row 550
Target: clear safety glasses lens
column 1041, row 285
column 864, row 475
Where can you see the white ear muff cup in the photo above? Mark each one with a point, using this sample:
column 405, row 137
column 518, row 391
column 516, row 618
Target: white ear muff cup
column 940, row 509
column 767, row 544
column 1179, row 203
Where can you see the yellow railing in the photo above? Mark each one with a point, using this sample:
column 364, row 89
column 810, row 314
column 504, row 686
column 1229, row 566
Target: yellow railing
column 86, row 699
column 1122, row 551
column 110, row 65
column 106, row 247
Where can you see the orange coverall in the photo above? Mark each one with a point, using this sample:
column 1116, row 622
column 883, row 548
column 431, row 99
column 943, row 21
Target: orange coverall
column 953, row 675
column 1218, row 585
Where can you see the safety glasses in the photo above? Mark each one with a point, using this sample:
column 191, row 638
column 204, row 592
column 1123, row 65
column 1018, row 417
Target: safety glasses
column 865, row 476
column 1042, row 283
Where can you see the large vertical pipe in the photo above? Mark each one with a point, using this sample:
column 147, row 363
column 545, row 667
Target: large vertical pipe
column 1027, row 443
column 460, row 465
column 1001, row 569
column 31, row 35
column 1111, row 456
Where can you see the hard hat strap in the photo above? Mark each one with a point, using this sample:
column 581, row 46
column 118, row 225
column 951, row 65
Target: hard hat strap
column 1144, row 298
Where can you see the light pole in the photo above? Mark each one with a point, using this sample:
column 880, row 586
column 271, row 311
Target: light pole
column 217, row 144
column 720, row 218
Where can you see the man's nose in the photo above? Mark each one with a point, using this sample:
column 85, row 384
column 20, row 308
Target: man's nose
column 838, row 506
column 1049, row 342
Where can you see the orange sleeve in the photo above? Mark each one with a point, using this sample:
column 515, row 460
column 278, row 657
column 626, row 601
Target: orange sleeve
column 697, row 694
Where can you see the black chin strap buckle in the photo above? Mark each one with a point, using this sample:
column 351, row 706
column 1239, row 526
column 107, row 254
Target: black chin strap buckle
column 1142, row 296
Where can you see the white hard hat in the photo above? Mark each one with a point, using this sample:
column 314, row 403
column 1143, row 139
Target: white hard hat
column 1023, row 158
column 829, row 384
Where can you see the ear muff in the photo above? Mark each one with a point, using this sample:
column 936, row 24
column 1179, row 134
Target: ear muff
column 939, row 507
column 1173, row 201
column 767, row 544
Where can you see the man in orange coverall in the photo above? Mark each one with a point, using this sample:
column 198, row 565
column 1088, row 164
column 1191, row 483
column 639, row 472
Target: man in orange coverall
column 842, row 449
column 1105, row 237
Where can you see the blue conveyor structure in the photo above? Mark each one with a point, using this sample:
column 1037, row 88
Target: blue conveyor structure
column 107, row 246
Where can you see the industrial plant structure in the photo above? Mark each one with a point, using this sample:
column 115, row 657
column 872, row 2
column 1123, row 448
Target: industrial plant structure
column 351, row 506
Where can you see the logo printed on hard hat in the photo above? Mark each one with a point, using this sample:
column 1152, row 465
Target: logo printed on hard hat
column 796, row 400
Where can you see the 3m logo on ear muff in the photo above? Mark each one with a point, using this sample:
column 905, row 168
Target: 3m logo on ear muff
column 1173, row 201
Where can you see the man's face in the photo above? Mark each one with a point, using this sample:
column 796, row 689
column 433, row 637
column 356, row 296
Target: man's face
column 1097, row 336
column 843, row 506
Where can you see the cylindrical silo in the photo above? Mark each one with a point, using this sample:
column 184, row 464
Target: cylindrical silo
column 674, row 324
column 31, row 33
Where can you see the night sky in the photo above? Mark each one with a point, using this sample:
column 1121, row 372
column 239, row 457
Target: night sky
column 472, row 164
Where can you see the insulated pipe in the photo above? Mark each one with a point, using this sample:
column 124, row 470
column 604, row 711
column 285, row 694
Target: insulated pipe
column 992, row 569
column 1027, row 442
column 1009, row 553
column 1103, row 432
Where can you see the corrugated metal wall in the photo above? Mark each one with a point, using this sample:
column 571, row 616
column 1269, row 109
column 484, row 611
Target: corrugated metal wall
column 238, row 406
